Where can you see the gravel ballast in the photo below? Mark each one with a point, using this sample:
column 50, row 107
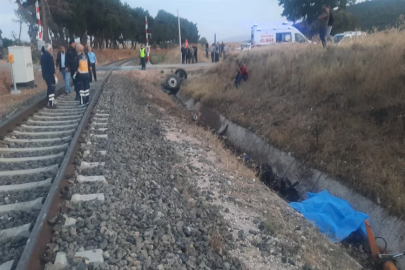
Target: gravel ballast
column 145, row 222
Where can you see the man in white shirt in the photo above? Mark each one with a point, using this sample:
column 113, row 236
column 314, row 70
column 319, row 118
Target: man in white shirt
column 61, row 64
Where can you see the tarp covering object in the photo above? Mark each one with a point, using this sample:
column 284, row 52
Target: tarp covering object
column 333, row 216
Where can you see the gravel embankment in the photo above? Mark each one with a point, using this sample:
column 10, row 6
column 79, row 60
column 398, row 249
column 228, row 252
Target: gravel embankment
column 145, row 222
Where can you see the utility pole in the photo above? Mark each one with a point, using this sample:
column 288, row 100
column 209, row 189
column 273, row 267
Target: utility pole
column 45, row 33
column 178, row 19
column 147, row 40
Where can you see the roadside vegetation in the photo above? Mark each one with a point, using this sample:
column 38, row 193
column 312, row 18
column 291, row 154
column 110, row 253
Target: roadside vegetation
column 340, row 110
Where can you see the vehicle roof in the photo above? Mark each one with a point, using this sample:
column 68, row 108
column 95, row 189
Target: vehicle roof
column 279, row 29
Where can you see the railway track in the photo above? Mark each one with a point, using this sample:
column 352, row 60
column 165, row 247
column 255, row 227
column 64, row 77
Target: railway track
column 34, row 159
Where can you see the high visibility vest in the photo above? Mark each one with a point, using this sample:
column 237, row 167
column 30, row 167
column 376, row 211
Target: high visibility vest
column 142, row 53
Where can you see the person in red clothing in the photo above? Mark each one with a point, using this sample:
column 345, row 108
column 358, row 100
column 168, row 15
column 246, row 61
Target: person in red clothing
column 242, row 74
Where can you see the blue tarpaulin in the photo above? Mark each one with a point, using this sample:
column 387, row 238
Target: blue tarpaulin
column 333, row 216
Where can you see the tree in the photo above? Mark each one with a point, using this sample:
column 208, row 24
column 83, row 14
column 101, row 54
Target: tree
column 203, row 41
column 309, row 10
column 108, row 23
column 344, row 21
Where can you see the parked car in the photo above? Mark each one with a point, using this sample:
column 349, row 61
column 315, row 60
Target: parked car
column 347, row 37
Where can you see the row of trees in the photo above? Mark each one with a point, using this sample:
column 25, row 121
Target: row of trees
column 107, row 23
column 307, row 11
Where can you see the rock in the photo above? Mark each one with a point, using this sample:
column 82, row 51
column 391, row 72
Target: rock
column 72, row 231
column 254, row 232
column 106, row 255
column 104, row 244
column 241, row 235
column 52, row 220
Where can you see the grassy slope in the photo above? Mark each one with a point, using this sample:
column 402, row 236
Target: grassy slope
column 350, row 99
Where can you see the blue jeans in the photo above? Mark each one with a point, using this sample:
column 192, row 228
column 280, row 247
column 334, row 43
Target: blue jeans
column 239, row 78
column 66, row 78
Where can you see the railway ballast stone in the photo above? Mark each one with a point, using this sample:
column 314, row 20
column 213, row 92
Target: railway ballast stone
column 144, row 222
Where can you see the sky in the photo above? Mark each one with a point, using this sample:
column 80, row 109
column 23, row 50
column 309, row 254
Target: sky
column 226, row 18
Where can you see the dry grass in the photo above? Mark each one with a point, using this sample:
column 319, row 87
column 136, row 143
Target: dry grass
column 341, row 109
column 109, row 55
column 8, row 102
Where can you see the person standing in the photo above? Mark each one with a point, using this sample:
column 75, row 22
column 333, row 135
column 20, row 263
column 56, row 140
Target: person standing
column 195, row 53
column 183, row 54
column 49, row 74
column 61, row 64
column 222, row 48
column 82, row 75
column 213, row 49
column 71, row 54
column 191, row 55
column 323, row 20
column 142, row 55
column 217, row 52
column 330, row 25
column 93, row 61
column 206, row 49
column 188, row 55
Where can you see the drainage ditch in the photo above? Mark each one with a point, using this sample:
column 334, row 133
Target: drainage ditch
column 384, row 225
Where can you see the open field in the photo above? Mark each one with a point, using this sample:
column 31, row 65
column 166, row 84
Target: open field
column 340, row 110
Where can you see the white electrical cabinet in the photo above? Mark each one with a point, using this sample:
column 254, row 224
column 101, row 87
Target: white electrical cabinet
column 23, row 69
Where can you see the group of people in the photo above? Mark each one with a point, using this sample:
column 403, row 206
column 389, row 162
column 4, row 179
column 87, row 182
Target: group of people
column 74, row 63
column 326, row 21
column 189, row 54
column 217, row 51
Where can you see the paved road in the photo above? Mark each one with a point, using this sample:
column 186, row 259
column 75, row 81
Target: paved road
column 132, row 65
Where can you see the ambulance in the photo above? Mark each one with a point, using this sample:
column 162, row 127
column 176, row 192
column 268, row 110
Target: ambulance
column 282, row 34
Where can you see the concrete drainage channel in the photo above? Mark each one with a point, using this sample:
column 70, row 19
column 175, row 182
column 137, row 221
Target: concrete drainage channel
column 384, row 225
column 34, row 159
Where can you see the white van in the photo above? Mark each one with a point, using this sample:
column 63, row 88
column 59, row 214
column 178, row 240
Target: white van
column 283, row 34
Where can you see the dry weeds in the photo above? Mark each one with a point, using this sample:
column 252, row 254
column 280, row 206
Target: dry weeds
column 341, row 109
column 8, row 101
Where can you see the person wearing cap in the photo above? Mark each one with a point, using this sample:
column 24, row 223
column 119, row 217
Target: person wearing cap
column 49, row 74
column 71, row 54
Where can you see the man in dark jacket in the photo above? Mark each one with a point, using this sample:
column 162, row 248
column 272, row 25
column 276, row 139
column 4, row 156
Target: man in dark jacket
column 183, row 54
column 195, row 48
column 49, row 74
column 70, row 63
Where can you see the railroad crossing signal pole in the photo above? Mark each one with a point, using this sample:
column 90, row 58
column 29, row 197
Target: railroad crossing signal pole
column 147, row 40
column 39, row 21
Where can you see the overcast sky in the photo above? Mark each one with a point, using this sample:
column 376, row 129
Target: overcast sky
column 227, row 18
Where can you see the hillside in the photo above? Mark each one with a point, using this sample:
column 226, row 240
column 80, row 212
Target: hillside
column 338, row 110
column 378, row 13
